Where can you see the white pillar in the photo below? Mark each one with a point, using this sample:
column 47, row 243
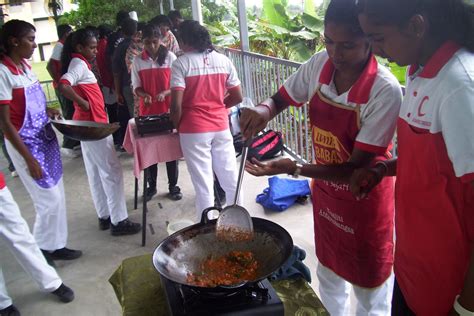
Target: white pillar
column 171, row 5
column 243, row 27
column 162, row 11
column 197, row 12
column 245, row 47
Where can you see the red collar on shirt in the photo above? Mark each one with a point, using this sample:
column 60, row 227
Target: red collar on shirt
column 145, row 55
column 61, row 41
column 75, row 55
column 2, row 181
column 437, row 61
column 360, row 91
column 8, row 62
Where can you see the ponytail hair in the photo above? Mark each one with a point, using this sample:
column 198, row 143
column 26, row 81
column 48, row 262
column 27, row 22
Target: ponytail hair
column 79, row 37
column 15, row 29
column 153, row 31
column 448, row 19
column 195, row 35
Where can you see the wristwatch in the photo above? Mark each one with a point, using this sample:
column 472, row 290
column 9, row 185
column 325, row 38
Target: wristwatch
column 297, row 170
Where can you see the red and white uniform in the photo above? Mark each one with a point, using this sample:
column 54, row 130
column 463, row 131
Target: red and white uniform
column 204, row 77
column 13, row 81
column 15, row 233
column 103, row 168
column 154, row 79
column 205, row 137
column 84, row 83
column 56, row 60
column 50, row 228
column 434, row 195
column 354, row 239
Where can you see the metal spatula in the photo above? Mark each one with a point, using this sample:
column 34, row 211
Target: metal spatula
column 234, row 222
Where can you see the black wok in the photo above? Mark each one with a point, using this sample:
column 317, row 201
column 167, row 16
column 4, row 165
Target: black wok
column 84, row 130
column 185, row 250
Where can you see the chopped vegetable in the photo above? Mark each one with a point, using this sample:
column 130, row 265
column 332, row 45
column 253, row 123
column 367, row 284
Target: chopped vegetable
column 233, row 268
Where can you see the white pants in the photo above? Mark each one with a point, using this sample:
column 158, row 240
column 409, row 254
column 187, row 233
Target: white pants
column 105, row 176
column 15, row 233
column 335, row 293
column 206, row 153
column 50, row 228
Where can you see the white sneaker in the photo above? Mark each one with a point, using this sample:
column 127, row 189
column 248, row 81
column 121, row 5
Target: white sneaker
column 69, row 153
column 14, row 174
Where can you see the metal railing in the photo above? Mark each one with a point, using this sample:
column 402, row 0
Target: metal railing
column 48, row 89
column 261, row 77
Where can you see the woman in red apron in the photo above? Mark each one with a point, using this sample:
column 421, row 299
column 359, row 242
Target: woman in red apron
column 31, row 141
column 434, row 256
column 104, row 171
column 353, row 105
column 151, row 74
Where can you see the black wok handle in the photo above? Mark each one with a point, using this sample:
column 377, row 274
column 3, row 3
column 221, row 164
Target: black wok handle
column 204, row 218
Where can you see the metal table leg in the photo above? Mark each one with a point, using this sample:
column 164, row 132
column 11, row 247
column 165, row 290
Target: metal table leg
column 135, row 201
column 145, row 176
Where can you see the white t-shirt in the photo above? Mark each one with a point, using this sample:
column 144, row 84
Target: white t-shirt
column 442, row 101
column 57, row 50
column 377, row 92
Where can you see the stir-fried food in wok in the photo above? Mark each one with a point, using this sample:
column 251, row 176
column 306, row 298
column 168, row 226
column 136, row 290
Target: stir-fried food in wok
column 233, row 268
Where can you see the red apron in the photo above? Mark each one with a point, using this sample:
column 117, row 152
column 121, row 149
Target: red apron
column 154, row 81
column 434, row 223
column 353, row 238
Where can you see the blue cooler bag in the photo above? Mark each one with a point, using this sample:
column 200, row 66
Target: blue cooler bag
column 283, row 193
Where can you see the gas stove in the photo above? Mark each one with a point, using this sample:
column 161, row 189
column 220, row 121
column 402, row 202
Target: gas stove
column 252, row 300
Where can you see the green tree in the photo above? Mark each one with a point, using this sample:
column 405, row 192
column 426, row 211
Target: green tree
column 96, row 12
column 275, row 31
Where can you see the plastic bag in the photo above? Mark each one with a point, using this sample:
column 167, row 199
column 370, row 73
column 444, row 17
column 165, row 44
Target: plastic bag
column 283, row 193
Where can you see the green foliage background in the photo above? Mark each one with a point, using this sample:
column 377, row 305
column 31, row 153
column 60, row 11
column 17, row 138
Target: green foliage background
column 275, row 29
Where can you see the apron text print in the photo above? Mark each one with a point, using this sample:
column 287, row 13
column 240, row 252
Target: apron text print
column 335, row 219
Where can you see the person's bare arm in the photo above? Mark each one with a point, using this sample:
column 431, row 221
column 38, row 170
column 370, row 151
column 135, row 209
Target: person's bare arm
column 253, row 120
column 466, row 298
column 363, row 180
column 162, row 95
column 118, row 89
column 69, row 93
column 147, row 98
column 340, row 173
column 233, row 97
column 12, row 135
column 176, row 106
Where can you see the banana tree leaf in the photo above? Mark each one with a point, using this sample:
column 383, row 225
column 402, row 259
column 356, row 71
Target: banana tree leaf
column 305, row 35
column 224, row 40
column 310, row 8
column 399, row 72
column 275, row 28
column 301, row 51
column 271, row 13
column 261, row 38
column 312, row 23
column 212, row 29
column 282, row 12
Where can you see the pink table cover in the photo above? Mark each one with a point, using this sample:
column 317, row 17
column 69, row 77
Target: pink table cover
column 150, row 149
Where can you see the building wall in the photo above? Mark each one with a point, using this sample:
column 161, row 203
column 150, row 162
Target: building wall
column 34, row 12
